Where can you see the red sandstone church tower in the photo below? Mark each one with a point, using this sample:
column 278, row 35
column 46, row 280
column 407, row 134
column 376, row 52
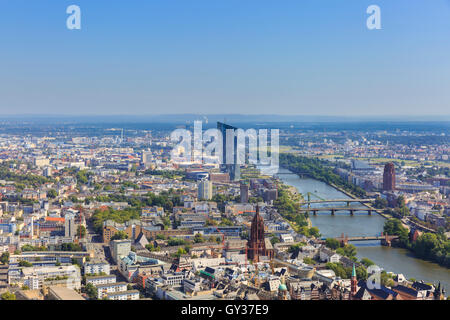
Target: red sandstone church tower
column 256, row 245
column 354, row 283
column 389, row 177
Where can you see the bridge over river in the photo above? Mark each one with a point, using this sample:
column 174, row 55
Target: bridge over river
column 334, row 209
column 363, row 230
column 385, row 239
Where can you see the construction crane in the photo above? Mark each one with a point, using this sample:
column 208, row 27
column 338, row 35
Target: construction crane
column 255, row 278
column 271, row 266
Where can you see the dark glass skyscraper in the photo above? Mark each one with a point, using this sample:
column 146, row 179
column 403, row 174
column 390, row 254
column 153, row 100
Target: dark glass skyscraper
column 233, row 169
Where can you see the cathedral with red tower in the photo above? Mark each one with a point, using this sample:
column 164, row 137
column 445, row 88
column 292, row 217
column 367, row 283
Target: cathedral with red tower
column 256, row 245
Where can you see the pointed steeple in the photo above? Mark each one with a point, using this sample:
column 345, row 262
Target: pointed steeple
column 354, row 282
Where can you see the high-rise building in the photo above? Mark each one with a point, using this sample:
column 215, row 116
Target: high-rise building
column 232, row 168
column 147, row 157
column 389, row 177
column 69, row 226
column 244, row 192
column 120, row 248
column 270, row 195
column 41, row 161
column 205, row 190
column 256, row 245
column 47, row 172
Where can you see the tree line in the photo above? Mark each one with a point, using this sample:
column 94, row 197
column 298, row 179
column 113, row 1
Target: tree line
column 318, row 169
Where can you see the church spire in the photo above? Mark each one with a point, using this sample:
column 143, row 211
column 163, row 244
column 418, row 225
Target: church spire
column 353, row 287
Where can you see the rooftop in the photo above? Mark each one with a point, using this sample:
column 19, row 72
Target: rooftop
column 63, row 293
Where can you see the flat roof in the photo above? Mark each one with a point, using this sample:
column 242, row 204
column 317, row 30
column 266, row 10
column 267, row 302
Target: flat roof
column 121, row 293
column 63, row 293
column 112, row 284
column 101, row 277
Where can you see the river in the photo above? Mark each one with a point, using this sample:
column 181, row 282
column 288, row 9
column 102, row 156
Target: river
column 396, row 260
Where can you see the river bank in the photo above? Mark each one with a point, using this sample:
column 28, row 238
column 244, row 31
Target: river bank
column 392, row 259
column 379, row 211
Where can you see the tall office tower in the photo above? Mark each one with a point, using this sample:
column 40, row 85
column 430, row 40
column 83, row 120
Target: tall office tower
column 69, row 226
column 120, row 248
column 244, row 192
column 256, row 245
column 147, row 158
column 389, row 177
column 47, row 172
column 29, row 223
column 232, row 168
column 204, row 190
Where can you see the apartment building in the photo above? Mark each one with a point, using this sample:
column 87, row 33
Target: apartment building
column 104, row 290
column 100, row 280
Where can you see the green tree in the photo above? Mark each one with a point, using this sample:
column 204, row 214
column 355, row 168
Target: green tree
column 4, row 258
column 70, row 247
column 198, row 238
column 81, row 231
column 380, row 203
column 91, row 291
column 120, row 235
column 350, row 250
column 8, row 296
column 23, row 263
column 274, row 240
column 427, row 245
column 52, row 193
column 367, row 262
column 332, row 243
column 361, row 273
column 309, row 261
column 180, row 252
column 296, row 247
column 314, row 232
column 395, row 227
column 176, row 242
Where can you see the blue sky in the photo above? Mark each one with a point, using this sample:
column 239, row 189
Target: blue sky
column 311, row 57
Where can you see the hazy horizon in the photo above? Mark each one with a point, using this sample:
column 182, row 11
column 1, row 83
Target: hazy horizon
column 234, row 117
